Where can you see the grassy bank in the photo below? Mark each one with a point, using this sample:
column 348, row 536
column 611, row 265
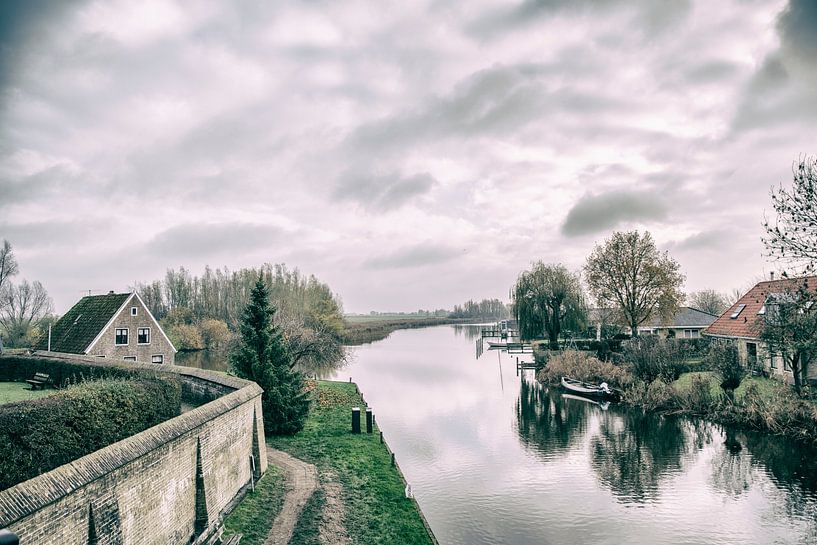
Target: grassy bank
column 253, row 517
column 376, row 509
column 363, row 329
column 758, row 403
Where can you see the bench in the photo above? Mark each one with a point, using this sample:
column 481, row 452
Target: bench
column 40, row 380
column 233, row 540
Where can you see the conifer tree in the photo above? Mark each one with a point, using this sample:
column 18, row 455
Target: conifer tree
column 261, row 356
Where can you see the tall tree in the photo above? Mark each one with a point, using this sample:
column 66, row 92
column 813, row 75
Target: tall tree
column 710, row 301
column 546, row 299
column 789, row 328
column 262, row 356
column 792, row 236
column 628, row 273
column 21, row 307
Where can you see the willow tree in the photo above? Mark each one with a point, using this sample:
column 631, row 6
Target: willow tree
column 628, row 273
column 547, row 299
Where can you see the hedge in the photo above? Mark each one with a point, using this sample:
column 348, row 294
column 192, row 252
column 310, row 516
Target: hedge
column 62, row 373
column 42, row 434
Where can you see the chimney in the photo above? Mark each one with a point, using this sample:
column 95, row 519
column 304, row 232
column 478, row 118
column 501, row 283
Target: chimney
column 110, row 292
column 771, row 274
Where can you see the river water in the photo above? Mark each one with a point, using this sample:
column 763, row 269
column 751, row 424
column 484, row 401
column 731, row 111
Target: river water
column 495, row 458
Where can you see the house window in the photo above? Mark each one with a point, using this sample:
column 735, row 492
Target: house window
column 691, row 334
column 129, row 358
column 773, row 361
column 143, row 335
column 157, row 358
column 786, row 366
column 737, row 312
column 121, row 337
column 134, row 311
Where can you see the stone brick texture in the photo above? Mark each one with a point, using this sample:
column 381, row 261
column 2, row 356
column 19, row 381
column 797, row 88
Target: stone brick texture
column 106, row 344
column 142, row 490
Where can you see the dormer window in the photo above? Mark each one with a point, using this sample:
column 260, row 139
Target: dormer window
column 737, row 312
column 134, row 311
column 762, row 311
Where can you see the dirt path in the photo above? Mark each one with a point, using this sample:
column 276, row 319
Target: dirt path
column 302, row 480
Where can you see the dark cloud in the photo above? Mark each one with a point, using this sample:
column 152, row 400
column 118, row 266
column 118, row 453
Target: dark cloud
column 599, row 213
column 382, row 193
column 203, row 240
column 797, row 25
column 705, row 240
column 414, row 256
column 46, row 234
column 492, row 101
column 651, row 16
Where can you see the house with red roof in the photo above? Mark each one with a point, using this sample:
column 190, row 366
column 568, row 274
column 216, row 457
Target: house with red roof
column 742, row 324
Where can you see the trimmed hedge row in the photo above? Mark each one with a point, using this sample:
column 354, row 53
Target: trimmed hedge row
column 42, row 434
column 62, row 373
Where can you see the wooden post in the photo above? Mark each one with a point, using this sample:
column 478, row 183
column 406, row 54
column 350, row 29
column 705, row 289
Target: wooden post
column 355, row 419
column 381, row 437
column 392, row 459
column 369, row 420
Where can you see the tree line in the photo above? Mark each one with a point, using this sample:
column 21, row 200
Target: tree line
column 205, row 311
column 487, row 309
column 25, row 307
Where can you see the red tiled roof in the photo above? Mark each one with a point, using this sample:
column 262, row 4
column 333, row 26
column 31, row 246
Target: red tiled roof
column 747, row 322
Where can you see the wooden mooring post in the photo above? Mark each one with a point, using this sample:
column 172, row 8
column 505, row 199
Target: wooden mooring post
column 369, row 419
column 355, row 419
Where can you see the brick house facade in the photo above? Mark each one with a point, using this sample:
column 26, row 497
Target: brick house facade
column 115, row 325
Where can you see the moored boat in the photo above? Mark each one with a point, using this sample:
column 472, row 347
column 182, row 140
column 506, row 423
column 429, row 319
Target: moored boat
column 586, row 389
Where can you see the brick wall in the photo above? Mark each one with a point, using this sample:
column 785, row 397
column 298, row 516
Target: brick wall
column 159, row 345
column 144, row 489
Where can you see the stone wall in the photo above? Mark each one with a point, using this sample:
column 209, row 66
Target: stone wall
column 168, row 485
column 106, row 345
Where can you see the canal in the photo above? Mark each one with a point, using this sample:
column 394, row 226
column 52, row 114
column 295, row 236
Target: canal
column 495, row 458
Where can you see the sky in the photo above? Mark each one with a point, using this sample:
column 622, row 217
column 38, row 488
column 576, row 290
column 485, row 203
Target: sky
column 410, row 154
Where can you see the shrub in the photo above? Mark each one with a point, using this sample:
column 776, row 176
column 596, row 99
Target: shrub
column 61, row 372
column 185, row 337
column 656, row 395
column 653, row 358
column 698, row 398
column 45, row 433
column 724, row 358
column 583, row 366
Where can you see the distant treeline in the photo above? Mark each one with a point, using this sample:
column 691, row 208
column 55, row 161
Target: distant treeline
column 204, row 311
column 487, row 309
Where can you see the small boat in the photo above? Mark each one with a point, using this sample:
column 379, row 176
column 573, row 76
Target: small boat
column 587, row 389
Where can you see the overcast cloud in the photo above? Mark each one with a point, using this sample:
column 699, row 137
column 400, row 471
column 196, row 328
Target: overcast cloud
column 410, row 155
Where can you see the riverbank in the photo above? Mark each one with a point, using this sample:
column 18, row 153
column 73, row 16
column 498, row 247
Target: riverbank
column 759, row 404
column 361, row 495
column 363, row 329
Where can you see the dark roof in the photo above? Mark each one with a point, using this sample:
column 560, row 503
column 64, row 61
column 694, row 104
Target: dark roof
column 745, row 324
column 79, row 326
column 685, row 317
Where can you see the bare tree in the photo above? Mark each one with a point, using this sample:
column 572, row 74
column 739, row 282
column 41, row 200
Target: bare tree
column 628, row 272
column 711, row 301
column 792, row 237
column 21, row 308
column 8, row 264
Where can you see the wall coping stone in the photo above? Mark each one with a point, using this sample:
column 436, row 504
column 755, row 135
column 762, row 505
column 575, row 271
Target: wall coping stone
column 36, row 493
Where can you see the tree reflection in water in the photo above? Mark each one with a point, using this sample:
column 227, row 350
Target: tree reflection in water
column 546, row 422
column 633, row 451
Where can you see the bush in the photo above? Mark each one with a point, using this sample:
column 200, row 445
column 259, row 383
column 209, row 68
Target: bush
column 45, row 433
column 724, row 358
column 185, row 337
column 583, row 366
column 654, row 358
column 656, row 395
column 62, row 373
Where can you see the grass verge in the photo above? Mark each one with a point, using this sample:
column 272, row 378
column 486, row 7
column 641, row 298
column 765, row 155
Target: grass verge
column 376, row 509
column 11, row 392
column 254, row 515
